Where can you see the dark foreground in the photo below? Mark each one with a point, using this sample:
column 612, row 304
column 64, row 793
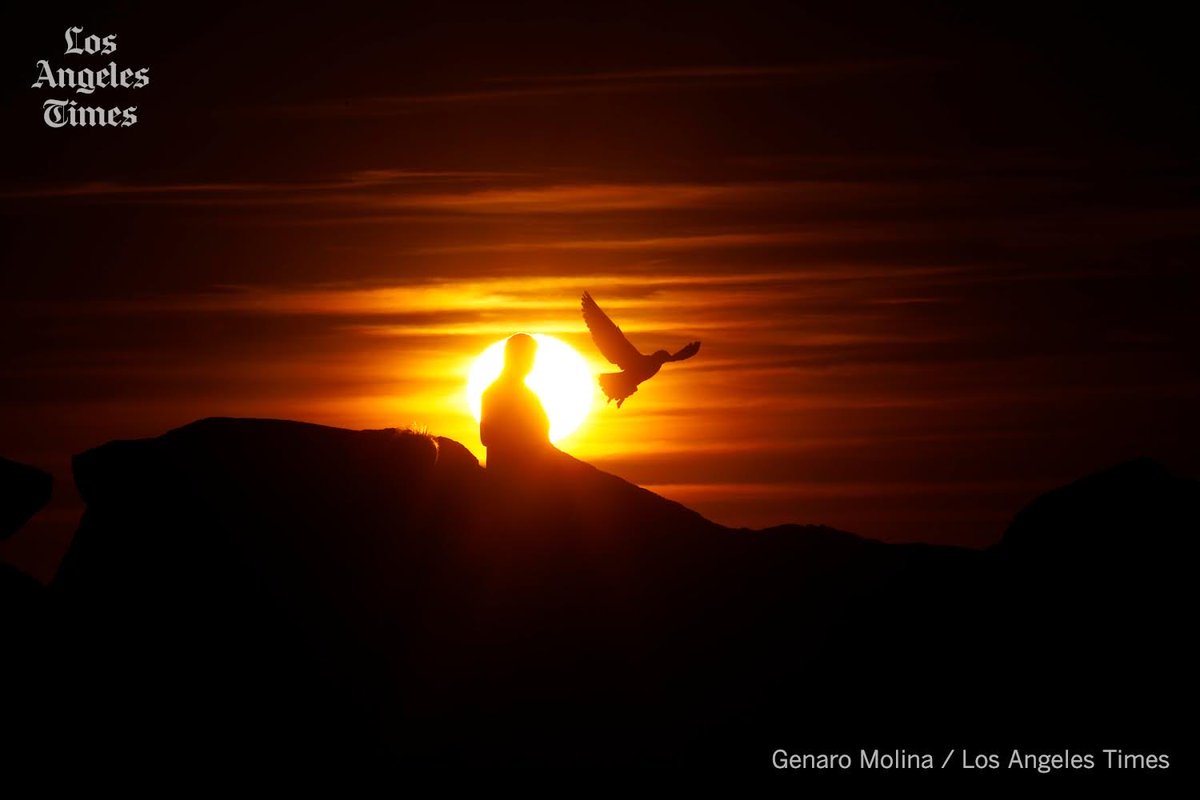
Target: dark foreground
column 277, row 594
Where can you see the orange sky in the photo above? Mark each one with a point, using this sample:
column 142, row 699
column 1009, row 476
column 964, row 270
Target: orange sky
column 937, row 266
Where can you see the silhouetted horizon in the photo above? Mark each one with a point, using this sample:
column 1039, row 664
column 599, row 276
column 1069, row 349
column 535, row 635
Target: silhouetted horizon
column 40, row 558
column 368, row 597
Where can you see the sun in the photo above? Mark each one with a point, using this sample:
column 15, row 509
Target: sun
column 561, row 379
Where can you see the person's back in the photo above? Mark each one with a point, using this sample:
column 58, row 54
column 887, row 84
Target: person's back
column 513, row 426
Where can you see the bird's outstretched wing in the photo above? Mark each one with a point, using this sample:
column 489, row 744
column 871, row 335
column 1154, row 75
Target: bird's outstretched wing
column 608, row 337
column 685, row 352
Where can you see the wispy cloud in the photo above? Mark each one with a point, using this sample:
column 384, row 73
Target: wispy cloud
column 481, row 193
column 525, row 294
column 281, row 191
column 515, row 88
column 821, row 69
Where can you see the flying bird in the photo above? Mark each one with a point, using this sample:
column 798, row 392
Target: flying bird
column 635, row 367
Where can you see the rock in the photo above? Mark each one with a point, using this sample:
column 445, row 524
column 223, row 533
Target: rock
column 375, row 575
column 1133, row 511
column 24, row 491
column 454, row 457
column 313, row 594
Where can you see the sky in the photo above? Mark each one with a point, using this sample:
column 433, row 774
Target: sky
column 940, row 259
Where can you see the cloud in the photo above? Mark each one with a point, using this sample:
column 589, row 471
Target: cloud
column 822, row 69
column 702, row 296
column 515, row 88
column 388, row 190
column 281, row 192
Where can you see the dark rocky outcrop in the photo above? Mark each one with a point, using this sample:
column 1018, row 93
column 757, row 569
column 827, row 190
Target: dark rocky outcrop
column 286, row 591
column 24, row 491
column 1134, row 513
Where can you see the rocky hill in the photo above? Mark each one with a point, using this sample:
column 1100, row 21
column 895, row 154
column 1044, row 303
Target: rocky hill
column 276, row 591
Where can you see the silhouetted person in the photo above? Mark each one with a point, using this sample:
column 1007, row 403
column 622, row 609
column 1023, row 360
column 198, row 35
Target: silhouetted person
column 513, row 426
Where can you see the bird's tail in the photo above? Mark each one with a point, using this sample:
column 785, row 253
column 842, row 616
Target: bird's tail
column 617, row 386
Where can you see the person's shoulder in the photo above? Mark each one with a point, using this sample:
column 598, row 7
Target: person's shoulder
column 492, row 392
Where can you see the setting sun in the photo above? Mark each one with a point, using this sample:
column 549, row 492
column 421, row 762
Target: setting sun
column 560, row 378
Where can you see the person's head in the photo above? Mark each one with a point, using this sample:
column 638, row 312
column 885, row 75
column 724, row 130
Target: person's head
column 519, row 353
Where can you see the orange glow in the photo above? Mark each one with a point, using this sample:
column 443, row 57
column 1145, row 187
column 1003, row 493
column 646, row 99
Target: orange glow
column 561, row 379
